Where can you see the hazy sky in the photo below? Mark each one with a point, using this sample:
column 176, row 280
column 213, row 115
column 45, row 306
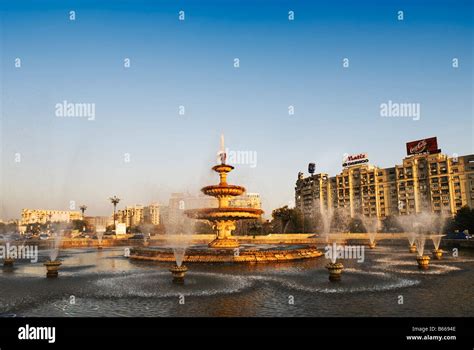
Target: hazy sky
column 191, row 63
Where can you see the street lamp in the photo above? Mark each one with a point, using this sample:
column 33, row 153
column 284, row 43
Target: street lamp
column 83, row 209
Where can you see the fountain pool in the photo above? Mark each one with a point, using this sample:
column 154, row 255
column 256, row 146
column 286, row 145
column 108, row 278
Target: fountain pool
column 108, row 284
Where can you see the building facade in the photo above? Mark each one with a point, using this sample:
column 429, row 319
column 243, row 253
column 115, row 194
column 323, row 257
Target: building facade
column 43, row 216
column 427, row 181
column 247, row 200
column 139, row 214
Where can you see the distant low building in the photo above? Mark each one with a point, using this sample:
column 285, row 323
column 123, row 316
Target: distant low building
column 151, row 214
column 43, row 216
column 139, row 214
column 247, row 200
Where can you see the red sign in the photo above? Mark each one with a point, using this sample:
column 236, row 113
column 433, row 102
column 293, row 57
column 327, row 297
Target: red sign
column 428, row 146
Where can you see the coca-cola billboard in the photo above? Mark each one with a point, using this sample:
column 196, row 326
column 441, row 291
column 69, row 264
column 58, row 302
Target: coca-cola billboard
column 424, row 146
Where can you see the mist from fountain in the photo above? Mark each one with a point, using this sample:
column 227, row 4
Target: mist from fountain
column 437, row 228
column 411, row 237
column 422, row 223
column 54, row 252
column 372, row 226
column 326, row 218
column 436, row 240
column 100, row 235
column 420, row 244
column 179, row 255
column 179, row 237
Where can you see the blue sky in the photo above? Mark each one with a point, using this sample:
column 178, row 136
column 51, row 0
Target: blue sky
column 190, row 63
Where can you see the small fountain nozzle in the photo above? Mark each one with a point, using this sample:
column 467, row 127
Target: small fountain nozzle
column 335, row 271
column 52, row 268
column 178, row 273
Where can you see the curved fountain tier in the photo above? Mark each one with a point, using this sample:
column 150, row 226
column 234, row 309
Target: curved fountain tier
column 230, row 213
column 223, row 190
column 246, row 253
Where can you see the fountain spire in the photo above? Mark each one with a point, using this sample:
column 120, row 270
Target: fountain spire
column 222, row 153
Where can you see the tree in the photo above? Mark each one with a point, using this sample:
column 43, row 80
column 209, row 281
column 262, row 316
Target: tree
column 281, row 217
column 464, row 219
column 255, row 227
column 449, row 226
column 285, row 218
column 78, row 225
column 267, row 227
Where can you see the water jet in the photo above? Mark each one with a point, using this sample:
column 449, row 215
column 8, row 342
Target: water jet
column 422, row 260
column 437, row 253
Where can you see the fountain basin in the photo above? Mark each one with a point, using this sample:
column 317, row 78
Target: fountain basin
column 52, row 268
column 335, row 271
column 423, row 262
column 224, row 243
column 246, row 253
column 178, row 273
column 437, row 254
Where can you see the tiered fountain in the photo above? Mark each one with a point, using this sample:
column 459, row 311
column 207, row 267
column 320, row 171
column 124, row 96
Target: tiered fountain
column 224, row 217
column 225, row 248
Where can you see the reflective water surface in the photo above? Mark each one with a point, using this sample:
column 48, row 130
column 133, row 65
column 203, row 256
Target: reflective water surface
column 105, row 283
